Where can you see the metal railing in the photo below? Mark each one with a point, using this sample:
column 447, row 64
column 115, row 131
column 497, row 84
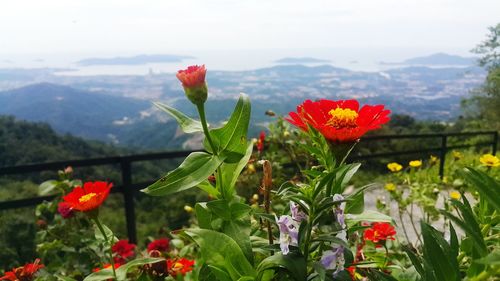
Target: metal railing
column 128, row 188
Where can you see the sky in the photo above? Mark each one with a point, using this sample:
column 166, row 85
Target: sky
column 168, row 26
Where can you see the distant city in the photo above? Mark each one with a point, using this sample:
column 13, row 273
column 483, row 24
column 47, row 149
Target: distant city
column 427, row 88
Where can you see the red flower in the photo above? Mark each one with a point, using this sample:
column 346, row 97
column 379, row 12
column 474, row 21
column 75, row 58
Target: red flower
column 380, row 231
column 123, row 250
column 339, row 121
column 88, row 197
column 260, row 141
column 193, row 81
column 160, row 245
column 352, row 272
column 64, row 208
column 23, row 273
column 182, row 266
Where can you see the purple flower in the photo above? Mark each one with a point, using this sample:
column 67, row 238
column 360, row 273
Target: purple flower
column 297, row 214
column 289, row 233
column 334, row 259
column 340, row 216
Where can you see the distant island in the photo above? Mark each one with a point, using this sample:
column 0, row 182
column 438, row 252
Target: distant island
column 134, row 60
column 300, row 60
column 437, row 59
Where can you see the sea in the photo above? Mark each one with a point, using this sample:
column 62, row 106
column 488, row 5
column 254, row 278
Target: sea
column 357, row 59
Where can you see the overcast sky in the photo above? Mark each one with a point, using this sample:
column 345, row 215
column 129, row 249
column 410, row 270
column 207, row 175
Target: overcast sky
column 163, row 26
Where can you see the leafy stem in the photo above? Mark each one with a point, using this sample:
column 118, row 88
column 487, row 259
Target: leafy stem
column 110, row 251
column 203, row 119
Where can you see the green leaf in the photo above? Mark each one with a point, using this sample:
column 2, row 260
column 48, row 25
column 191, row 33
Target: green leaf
column 355, row 204
column 187, row 124
column 203, row 215
column 220, row 208
column 439, row 254
column 209, row 188
column 221, row 251
column 196, row 168
column 491, row 259
column 109, row 235
column 231, row 139
column 485, row 185
column 368, row 216
column 64, row 278
column 293, row 263
column 103, row 274
column 47, row 187
column 231, row 171
column 239, row 210
column 415, row 260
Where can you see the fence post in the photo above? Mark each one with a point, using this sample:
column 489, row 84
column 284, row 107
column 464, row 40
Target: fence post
column 495, row 143
column 444, row 139
column 128, row 196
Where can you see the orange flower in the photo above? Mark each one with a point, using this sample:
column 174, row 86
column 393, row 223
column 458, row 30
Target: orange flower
column 88, row 197
column 339, row 121
column 193, row 81
column 179, row 266
column 23, row 273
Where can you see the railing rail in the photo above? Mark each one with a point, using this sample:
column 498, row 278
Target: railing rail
column 128, row 188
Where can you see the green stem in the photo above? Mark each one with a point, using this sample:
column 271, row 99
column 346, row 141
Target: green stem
column 308, row 234
column 203, row 119
column 110, row 251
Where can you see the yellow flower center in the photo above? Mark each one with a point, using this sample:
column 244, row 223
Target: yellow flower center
column 87, row 197
column 177, row 266
column 342, row 118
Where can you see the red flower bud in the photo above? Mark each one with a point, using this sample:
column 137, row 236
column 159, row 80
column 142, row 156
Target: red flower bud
column 193, row 81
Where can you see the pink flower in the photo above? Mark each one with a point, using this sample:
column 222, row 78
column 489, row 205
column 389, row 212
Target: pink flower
column 65, row 210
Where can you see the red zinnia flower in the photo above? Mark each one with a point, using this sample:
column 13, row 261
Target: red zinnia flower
column 193, row 81
column 193, row 76
column 160, row 245
column 179, row 266
column 380, row 231
column 339, row 121
column 260, row 141
column 123, row 250
column 88, row 197
column 64, row 208
column 23, row 273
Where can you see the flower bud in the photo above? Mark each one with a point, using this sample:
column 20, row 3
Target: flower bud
column 193, row 81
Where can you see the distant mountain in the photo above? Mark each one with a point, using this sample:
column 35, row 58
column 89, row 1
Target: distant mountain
column 134, row 60
column 300, row 60
column 438, row 59
column 67, row 110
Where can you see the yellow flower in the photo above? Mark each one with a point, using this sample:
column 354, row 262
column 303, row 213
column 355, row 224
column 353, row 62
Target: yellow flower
column 490, row 160
column 394, row 167
column 286, row 134
column 415, row 163
column 390, row 187
column 255, row 197
column 251, row 168
column 455, row 195
column 457, row 155
column 445, row 179
column 188, row 208
column 433, row 159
